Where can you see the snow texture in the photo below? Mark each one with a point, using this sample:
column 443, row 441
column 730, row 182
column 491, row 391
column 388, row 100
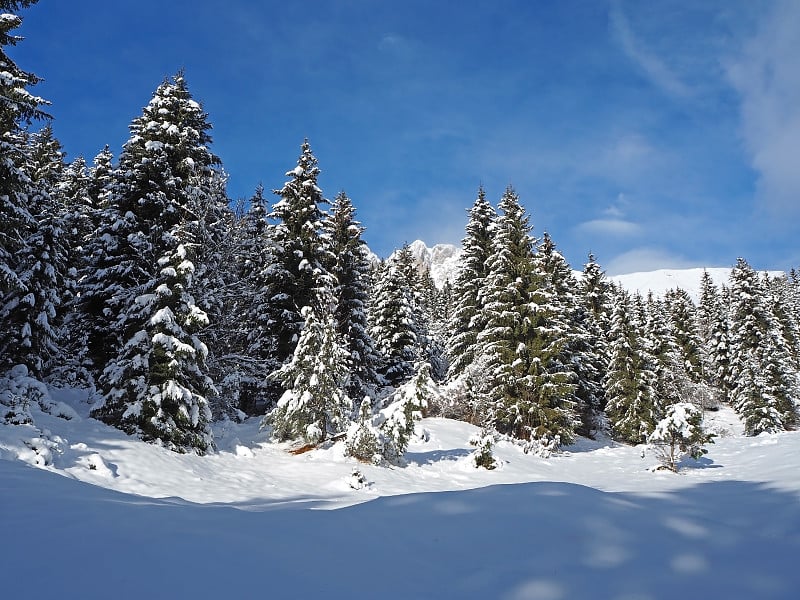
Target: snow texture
column 126, row 516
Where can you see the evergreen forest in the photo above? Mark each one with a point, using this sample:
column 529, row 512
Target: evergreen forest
column 134, row 275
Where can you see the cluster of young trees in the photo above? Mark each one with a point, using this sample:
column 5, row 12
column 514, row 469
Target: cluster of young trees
column 541, row 355
column 138, row 279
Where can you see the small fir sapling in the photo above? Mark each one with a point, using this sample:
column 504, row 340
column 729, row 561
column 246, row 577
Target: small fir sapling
column 357, row 480
column 679, row 434
column 363, row 439
column 482, row 455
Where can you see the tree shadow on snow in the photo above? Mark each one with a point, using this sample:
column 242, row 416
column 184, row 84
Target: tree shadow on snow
column 537, row 541
column 434, row 456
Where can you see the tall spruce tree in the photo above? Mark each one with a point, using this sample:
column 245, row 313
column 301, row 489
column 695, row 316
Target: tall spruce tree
column 351, row 268
column 531, row 394
column 393, row 318
column 764, row 383
column 30, row 244
column 153, row 379
column 630, row 380
column 314, row 403
column 572, row 324
column 34, row 316
column 297, row 276
column 683, row 324
column 467, row 319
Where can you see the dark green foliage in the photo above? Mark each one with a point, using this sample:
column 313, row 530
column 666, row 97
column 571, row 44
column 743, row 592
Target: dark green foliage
column 350, row 266
column 142, row 316
column 532, row 388
column 297, row 276
column 764, row 386
column 467, row 319
column 630, row 381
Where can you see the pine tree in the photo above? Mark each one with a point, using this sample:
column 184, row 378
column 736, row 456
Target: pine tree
column 467, row 320
column 532, row 393
column 17, row 107
column 782, row 304
column 33, row 317
column 297, row 276
column 101, row 179
column 350, row 266
column 30, row 244
column 573, row 326
column 244, row 347
column 314, row 404
column 707, row 307
column 719, row 346
column 153, row 380
column 156, row 386
column 764, row 383
column 680, row 433
column 662, row 354
column 394, row 320
column 683, row 320
column 596, row 293
column 630, row 390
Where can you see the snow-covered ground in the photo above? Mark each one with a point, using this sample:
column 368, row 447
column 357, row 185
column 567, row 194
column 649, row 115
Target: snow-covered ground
column 131, row 520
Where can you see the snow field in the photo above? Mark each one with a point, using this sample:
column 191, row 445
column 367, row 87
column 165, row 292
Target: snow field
column 594, row 521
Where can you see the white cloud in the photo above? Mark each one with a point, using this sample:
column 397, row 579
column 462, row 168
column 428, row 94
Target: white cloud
column 646, row 259
column 767, row 78
column 651, row 65
column 610, row 227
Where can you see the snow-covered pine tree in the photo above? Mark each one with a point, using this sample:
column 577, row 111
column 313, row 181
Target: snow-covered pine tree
column 152, row 384
column 596, row 293
column 432, row 324
column 18, row 106
column 678, row 434
column 297, row 274
column 314, row 404
column 719, row 346
column 350, row 265
column 101, row 179
column 157, row 380
column 711, row 327
column 393, row 319
column 782, row 304
column 467, row 321
column 707, row 307
column 763, row 380
column 30, row 236
column 35, row 315
column 630, row 381
column 531, row 397
column 579, row 357
column 663, row 354
column 683, row 325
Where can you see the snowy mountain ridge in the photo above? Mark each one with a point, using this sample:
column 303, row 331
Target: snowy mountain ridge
column 442, row 260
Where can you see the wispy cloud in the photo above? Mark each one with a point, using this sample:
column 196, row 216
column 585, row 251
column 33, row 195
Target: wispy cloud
column 646, row 259
column 766, row 76
column 610, row 227
column 648, row 62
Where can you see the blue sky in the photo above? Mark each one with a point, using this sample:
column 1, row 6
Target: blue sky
column 652, row 134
